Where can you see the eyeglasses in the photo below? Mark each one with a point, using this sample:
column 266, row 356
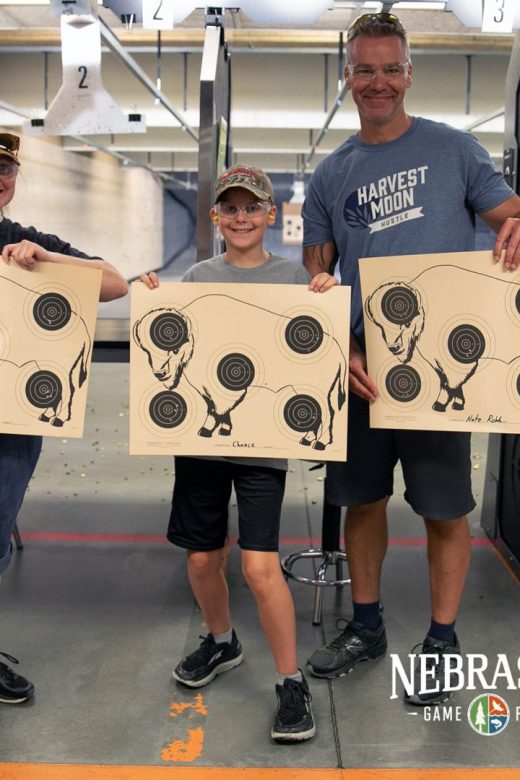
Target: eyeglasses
column 365, row 73
column 253, row 209
column 8, row 168
column 371, row 21
column 10, row 143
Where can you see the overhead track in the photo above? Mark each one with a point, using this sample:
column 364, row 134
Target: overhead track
column 126, row 161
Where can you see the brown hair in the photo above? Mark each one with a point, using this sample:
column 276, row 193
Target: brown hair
column 377, row 26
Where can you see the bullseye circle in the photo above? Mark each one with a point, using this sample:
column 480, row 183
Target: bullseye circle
column 43, row 389
column 466, row 343
column 399, row 304
column 302, row 413
column 517, row 301
column 235, row 371
column 167, row 409
column 169, row 331
column 304, row 335
column 518, row 385
column 403, row 383
column 52, row 311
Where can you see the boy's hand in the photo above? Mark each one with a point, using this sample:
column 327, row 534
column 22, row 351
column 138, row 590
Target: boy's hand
column 322, row 282
column 151, row 280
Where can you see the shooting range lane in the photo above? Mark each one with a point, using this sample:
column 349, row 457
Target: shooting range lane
column 98, row 608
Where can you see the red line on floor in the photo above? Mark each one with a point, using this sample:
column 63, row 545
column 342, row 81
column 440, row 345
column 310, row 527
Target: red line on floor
column 288, row 541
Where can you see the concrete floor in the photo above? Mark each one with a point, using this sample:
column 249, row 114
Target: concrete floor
column 98, row 609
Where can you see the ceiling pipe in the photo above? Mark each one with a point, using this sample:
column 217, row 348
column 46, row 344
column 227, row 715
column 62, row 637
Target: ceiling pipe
column 330, row 116
column 116, row 47
column 483, row 119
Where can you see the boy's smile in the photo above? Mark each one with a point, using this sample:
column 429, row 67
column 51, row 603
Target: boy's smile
column 243, row 232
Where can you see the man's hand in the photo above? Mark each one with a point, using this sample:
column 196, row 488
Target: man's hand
column 358, row 380
column 508, row 238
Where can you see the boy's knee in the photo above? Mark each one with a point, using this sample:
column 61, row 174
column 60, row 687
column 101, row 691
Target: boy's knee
column 259, row 572
column 202, row 560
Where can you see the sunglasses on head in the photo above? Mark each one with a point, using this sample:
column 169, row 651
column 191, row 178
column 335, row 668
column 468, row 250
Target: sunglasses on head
column 9, row 143
column 373, row 20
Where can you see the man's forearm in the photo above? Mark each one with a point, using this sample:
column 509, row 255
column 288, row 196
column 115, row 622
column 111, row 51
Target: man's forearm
column 319, row 258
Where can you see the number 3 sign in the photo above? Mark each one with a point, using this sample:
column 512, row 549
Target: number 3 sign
column 498, row 16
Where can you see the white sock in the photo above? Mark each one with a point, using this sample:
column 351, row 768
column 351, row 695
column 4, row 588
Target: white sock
column 298, row 676
column 227, row 636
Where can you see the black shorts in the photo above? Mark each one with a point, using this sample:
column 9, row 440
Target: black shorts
column 201, row 493
column 436, row 467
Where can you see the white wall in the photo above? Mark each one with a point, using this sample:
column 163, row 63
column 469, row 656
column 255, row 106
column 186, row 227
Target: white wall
column 95, row 203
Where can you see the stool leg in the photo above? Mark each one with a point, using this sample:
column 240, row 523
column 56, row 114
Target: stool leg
column 318, row 605
column 17, row 538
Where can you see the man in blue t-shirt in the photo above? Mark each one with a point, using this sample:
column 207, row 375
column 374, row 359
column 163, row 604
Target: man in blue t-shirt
column 403, row 185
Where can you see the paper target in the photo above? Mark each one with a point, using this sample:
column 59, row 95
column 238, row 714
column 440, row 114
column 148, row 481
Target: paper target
column 235, row 371
column 399, row 304
column 263, row 381
column 168, row 409
column 43, row 389
column 52, row 311
column 169, row 331
column 466, row 343
column 46, row 325
column 302, row 413
column 303, row 335
column 403, row 383
column 454, row 318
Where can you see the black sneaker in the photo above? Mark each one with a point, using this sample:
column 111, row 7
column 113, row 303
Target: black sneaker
column 434, row 679
column 202, row 666
column 14, row 689
column 354, row 644
column 293, row 721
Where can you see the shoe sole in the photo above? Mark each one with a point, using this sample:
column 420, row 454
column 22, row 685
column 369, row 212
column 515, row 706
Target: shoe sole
column 344, row 670
column 300, row 736
column 225, row 667
column 15, row 701
column 417, row 702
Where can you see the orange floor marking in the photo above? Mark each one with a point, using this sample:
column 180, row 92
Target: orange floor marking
column 92, row 772
column 188, row 750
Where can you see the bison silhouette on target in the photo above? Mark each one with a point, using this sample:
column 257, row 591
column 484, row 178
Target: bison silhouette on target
column 46, row 386
column 224, row 367
column 453, row 347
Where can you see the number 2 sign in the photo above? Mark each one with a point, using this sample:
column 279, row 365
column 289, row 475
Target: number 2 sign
column 158, row 14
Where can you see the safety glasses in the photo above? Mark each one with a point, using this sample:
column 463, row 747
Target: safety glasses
column 373, row 21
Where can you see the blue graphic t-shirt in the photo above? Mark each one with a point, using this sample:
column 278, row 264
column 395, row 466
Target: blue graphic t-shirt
column 415, row 195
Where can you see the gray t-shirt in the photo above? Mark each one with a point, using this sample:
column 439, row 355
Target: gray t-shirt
column 275, row 270
column 415, row 195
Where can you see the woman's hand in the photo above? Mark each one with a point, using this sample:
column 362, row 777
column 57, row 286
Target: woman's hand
column 25, row 254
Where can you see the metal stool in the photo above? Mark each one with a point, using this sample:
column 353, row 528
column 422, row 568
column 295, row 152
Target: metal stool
column 329, row 554
column 17, row 538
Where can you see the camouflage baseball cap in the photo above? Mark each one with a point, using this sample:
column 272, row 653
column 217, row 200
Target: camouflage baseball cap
column 9, row 145
column 252, row 179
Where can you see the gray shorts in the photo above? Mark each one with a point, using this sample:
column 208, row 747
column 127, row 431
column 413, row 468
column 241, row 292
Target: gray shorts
column 436, row 467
